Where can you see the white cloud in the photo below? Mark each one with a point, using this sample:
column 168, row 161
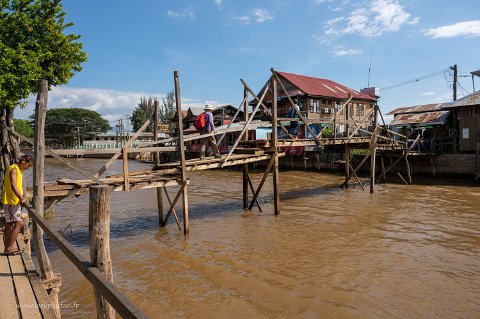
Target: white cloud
column 257, row 15
column 321, row 1
column 339, row 53
column 111, row 104
column 218, row 2
column 186, row 13
column 381, row 16
column 262, row 15
column 466, row 28
column 429, row 93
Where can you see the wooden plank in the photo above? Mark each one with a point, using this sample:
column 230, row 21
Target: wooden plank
column 114, row 150
column 8, row 301
column 36, row 282
column 264, row 178
column 26, row 299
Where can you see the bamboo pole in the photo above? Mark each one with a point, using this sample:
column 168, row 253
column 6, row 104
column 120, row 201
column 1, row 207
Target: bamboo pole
column 181, row 151
column 46, row 269
column 276, row 193
column 99, row 240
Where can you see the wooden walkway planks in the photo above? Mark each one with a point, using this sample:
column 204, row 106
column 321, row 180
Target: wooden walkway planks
column 22, row 294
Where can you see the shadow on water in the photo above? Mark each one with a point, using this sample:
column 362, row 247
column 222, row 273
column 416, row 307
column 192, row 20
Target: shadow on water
column 131, row 226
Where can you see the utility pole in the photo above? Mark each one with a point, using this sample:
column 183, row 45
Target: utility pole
column 455, row 79
column 78, row 136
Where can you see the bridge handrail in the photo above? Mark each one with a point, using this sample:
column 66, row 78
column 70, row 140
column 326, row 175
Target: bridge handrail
column 124, row 307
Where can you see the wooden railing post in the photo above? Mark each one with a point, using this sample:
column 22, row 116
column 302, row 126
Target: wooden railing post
column 99, row 239
column 46, row 269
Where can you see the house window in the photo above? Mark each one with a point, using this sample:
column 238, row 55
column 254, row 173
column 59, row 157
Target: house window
column 314, row 106
column 360, row 109
column 327, row 110
column 351, row 113
column 338, row 106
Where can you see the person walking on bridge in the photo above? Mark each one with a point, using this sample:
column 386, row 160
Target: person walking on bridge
column 13, row 199
column 209, row 127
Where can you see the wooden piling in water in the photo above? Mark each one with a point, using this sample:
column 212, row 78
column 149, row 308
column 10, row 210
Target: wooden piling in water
column 245, row 176
column 181, row 152
column 156, row 156
column 373, row 150
column 99, row 240
column 276, row 193
column 347, row 164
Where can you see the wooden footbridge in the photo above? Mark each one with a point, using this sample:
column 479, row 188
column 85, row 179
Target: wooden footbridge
column 17, row 271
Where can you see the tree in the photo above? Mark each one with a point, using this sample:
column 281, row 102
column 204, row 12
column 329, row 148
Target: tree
column 23, row 127
column 169, row 108
column 73, row 125
column 143, row 112
column 34, row 45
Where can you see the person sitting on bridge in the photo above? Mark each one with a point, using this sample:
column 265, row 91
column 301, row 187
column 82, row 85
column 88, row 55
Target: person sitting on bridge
column 12, row 202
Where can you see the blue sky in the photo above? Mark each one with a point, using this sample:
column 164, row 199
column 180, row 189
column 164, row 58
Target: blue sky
column 134, row 47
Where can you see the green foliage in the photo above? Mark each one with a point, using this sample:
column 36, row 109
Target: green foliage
column 34, row 45
column 69, row 125
column 327, row 132
column 23, row 127
column 143, row 112
column 169, row 108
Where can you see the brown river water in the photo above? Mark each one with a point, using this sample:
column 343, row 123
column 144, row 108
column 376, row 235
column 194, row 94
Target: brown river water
column 402, row 252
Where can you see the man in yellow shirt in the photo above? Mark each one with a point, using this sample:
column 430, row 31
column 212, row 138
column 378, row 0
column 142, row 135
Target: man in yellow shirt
column 12, row 202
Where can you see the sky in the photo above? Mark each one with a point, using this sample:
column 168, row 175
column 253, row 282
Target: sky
column 134, row 47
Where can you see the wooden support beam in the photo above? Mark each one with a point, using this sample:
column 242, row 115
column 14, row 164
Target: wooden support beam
column 264, row 178
column 118, row 153
column 245, row 178
column 59, row 158
column 358, row 179
column 347, row 164
column 314, row 135
column 46, row 268
column 253, row 193
column 172, row 204
column 173, row 210
column 276, row 193
column 356, row 169
column 99, row 240
column 373, row 149
column 181, row 152
column 126, row 182
column 384, row 175
column 245, row 128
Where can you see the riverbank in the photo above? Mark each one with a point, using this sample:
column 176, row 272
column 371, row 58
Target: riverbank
column 460, row 166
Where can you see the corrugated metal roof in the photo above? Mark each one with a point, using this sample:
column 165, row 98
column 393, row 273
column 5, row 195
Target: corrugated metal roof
column 426, row 118
column 323, row 87
column 471, row 99
column 417, row 109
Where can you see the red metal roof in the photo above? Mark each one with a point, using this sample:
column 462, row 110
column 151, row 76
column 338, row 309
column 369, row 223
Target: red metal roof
column 418, row 109
column 323, row 87
column 427, row 118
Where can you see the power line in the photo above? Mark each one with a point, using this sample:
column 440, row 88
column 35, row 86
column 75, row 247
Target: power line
column 415, row 80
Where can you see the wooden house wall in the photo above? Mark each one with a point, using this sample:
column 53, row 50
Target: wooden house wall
column 469, row 119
